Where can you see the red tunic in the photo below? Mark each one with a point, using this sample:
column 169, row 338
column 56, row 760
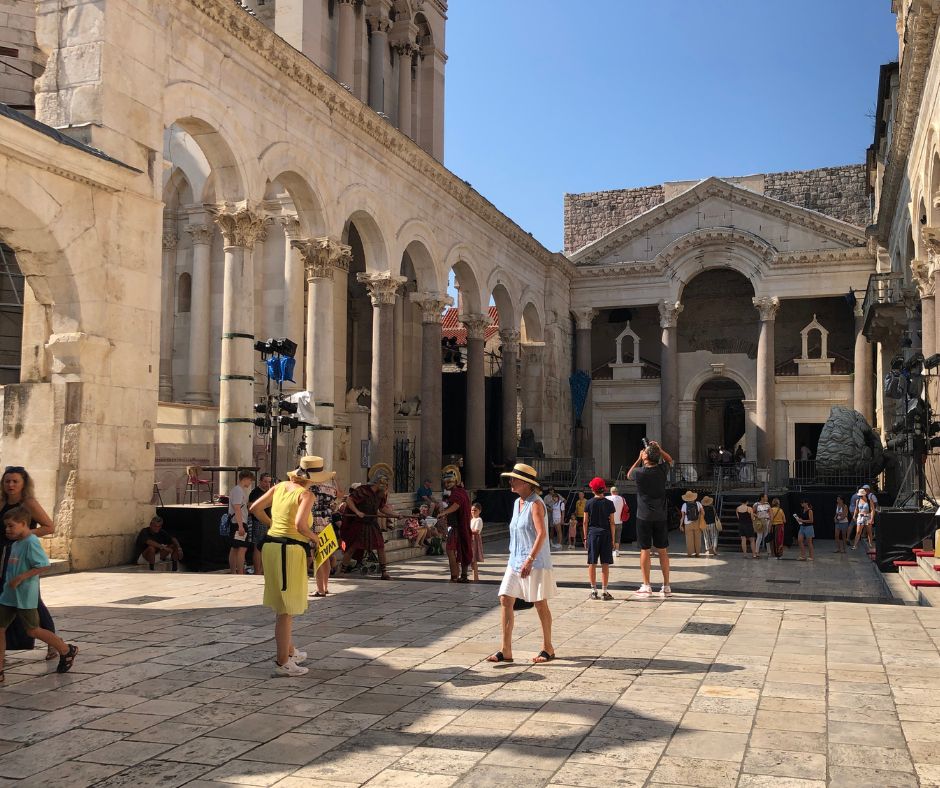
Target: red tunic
column 459, row 537
column 363, row 533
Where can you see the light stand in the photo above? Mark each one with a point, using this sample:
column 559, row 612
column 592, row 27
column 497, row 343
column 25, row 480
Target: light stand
column 274, row 405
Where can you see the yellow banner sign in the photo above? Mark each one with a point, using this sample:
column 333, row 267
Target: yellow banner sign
column 326, row 546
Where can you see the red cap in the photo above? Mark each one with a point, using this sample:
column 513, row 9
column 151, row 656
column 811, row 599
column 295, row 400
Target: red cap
column 597, row 484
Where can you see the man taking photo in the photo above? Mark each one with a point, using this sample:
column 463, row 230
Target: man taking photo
column 649, row 472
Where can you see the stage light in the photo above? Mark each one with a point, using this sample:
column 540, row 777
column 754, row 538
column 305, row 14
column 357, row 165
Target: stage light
column 261, row 423
column 263, row 347
column 284, row 346
column 287, row 406
column 290, row 422
column 261, row 407
column 931, row 362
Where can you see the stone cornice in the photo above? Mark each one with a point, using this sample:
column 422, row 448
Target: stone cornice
column 920, row 32
column 340, row 102
column 715, row 187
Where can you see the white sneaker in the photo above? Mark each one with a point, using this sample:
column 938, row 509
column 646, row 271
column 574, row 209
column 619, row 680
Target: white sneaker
column 616, row 554
column 298, row 657
column 289, row 669
column 556, row 546
column 644, row 590
column 665, row 591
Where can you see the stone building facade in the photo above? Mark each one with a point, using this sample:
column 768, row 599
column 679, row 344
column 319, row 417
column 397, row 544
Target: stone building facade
column 287, row 161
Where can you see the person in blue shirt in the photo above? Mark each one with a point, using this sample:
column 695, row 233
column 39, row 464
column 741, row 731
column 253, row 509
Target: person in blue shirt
column 20, row 597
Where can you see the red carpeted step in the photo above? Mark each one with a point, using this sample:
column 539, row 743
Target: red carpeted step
column 925, row 583
column 924, row 553
column 936, row 567
column 904, row 563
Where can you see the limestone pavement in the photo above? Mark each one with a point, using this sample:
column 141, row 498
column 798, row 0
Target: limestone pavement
column 172, row 687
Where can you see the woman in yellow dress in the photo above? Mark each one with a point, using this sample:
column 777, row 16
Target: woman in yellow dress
column 284, row 555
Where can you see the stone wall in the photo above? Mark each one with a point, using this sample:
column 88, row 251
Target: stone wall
column 18, row 31
column 839, row 192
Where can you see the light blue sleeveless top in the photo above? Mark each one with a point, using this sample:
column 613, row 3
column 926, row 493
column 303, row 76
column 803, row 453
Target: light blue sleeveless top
column 522, row 535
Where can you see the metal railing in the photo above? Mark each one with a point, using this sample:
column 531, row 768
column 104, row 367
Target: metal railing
column 566, row 472
column 887, row 288
column 806, row 474
column 703, row 474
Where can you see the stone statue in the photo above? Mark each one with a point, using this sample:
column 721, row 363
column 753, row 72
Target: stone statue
column 848, row 445
column 410, row 407
column 343, row 449
column 528, row 446
column 353, row 405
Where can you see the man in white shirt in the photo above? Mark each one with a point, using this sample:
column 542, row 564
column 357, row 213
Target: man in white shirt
column 619, row 505
column 555, row 508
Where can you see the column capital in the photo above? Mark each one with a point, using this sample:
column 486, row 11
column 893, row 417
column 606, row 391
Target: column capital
column 170, row 239
column 291, row 225
column 923, row 278
column 201, row 233
column 858, row 310
column 432, row 305
column 321, row 255
column 510, row 341
column 767, row 306
column 240, row 224
column 405, row 49
column 669, row 313
column 584, row 317
column 931, row 236
column 532, row 350
column 476, row 325
column 377, row 15
column 383, row 286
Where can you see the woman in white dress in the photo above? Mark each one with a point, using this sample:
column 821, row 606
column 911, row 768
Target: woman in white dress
column 529, row 574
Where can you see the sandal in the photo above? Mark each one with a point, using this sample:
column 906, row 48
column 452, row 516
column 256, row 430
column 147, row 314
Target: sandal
column 543, row 656
column 66, row 660
column 317, row 593
column 498, row 657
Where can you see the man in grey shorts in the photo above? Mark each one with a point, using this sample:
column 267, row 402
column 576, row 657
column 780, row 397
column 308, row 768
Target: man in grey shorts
column 649, row 472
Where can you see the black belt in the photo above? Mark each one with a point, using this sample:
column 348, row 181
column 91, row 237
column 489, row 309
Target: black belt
column 284, row 542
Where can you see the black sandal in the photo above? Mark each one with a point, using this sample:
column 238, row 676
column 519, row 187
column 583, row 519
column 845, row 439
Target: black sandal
column 498, row 657
column 542, row 657
column 66, row 660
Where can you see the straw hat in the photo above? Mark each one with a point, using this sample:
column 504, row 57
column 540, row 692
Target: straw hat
column 525, row 473
column 862, row 491
column 707, row 500
column 310, row 470
column 451, row 472
column 690, row 496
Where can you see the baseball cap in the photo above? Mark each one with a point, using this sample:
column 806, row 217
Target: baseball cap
column 597, row 484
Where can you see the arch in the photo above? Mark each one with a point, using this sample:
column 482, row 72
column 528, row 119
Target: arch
column 532, row 322
column 213, row 126
column 417, row 233
column 184, row 293
column 423, row 263
column 374, row 246
column 304, row 180
column 461, row 260
column 177, row 192
column 505, row 307
column 188, row 160
column 700, row 379
column 933, row 196
column 715, row 247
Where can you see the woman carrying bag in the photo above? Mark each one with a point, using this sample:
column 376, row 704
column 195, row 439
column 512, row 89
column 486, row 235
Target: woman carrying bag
column 712, row 525
column 691, row 523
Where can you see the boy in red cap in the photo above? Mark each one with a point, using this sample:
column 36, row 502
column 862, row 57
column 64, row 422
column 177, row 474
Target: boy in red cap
column 599, row 536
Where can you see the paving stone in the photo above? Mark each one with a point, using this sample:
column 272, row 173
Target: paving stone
column 240, row 772
column 125, row 753
column 295, row 748
column 701, row 773
column 208, row 750
column 781, row 763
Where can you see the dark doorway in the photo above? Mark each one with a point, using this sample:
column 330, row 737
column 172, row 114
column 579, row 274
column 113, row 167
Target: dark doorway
column 719, row 417
column 454, row 432
column 806, row 435
column 626, row 440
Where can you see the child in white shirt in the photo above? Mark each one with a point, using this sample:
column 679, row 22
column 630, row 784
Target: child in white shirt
column 476, row 529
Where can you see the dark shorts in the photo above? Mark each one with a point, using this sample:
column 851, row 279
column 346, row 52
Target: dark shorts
column 600, row 546
column 652, row 533
column 239, row 544
column 258, row 533
column 30, row 618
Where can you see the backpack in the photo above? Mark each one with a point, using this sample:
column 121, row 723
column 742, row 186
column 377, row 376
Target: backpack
column 625, row 512
column 225, row 525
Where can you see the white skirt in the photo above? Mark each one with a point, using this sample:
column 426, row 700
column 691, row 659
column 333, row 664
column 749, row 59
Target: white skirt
column 538, row 586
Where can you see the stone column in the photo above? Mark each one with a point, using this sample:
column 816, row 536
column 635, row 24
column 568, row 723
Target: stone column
column 405, row 51
column 167, row 314
column 582, row 362
column 432, row 305
column 346, row 43
column 862, row 379
column 293, row 324
column 510, row 352
column 532, row 389
column 321, row 257
column 383, row 290
column 669, row 375
column 378, row 56
column 200, row 314
column 241, row 227
column 923, row 278
column 765, row 411
column 475, row 460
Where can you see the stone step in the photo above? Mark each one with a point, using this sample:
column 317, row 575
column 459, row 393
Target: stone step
column 928, row 565
column 924, row 596
column 404, row 553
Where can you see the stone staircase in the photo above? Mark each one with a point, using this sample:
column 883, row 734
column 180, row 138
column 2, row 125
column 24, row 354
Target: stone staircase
column 919, row 579
column 730, row 536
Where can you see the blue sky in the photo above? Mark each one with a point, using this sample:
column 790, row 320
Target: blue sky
column 543, row 100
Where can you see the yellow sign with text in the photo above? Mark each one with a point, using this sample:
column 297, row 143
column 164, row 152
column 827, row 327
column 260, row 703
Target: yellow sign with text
column 326, row 546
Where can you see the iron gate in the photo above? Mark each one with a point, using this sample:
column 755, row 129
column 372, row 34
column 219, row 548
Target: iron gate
column 404, row 465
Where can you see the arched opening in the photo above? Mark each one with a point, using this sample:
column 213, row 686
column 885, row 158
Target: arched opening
column 184, row 293
column 358, row 320
column 718, row 314
column 12, row 294
column 719, row 417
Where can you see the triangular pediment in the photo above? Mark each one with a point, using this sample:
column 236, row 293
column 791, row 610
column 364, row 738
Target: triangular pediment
column 714, row 203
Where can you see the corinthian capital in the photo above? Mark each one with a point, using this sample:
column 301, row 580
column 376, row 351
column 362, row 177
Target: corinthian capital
column 669, row 313
column 584, row 317
column 321, row 256
column 476, row 325
column 432, row 305
column 201, row 233
column 509, row 340
column 923, row 278
column 377, row 15
column 931, row 236
column 291, row 225
column 383, row 286
column 767, row 306
column 239, row 224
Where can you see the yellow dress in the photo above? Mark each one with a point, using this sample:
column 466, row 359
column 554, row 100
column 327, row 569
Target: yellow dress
column 292, row 558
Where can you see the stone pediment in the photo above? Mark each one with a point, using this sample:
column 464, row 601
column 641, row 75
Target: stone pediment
column 714, row 207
